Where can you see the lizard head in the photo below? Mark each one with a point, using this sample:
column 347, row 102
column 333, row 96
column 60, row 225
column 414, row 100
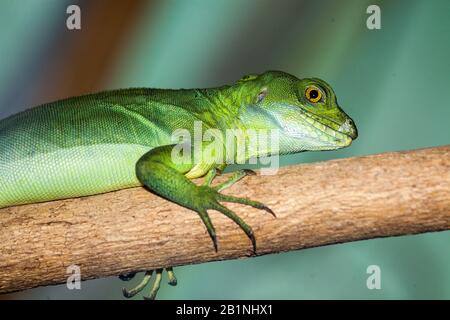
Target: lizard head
column 305, row 111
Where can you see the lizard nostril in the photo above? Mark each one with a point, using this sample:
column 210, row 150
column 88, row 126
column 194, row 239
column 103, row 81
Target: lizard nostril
column 349, row 128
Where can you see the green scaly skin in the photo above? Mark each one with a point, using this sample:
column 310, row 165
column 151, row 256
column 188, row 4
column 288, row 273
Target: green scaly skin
column 120, row 139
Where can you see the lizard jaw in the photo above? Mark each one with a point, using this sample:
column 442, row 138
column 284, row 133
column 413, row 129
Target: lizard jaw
column 322, row 135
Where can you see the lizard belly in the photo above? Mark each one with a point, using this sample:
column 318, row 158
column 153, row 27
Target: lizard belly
column 66, row 173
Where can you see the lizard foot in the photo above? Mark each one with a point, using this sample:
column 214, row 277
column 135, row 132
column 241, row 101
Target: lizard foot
column 211, row 198
column 145, row 280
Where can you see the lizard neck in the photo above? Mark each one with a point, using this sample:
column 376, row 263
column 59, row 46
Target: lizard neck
column 238, row 118
column 218, row 108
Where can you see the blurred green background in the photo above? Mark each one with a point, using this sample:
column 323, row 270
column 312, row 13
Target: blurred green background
column 393, row 82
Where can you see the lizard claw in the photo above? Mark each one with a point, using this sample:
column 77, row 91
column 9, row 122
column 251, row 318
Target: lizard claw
column 155, row 287
column 171, row 275
column 210, row 200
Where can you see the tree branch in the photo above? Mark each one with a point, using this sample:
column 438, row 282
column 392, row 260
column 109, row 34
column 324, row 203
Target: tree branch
column 336, row 201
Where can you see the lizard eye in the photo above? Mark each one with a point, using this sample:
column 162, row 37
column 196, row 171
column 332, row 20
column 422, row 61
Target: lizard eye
column 313, row 94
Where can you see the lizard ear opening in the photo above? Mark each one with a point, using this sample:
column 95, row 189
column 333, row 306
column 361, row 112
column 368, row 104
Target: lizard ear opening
column 261, row 95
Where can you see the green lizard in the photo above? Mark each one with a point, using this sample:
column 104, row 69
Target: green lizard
column 119, row 139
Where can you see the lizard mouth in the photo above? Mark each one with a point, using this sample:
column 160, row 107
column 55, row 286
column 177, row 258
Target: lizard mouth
column 317, row 128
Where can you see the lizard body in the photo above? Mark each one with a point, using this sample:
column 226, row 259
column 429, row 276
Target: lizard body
column 87, row 145
column 123, row 138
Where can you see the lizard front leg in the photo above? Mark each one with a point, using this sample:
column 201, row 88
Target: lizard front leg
column 160, row 174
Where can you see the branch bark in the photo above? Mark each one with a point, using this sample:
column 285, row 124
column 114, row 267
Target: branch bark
column 330, row 202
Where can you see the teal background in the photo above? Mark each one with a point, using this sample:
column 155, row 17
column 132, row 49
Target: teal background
column 393, row 82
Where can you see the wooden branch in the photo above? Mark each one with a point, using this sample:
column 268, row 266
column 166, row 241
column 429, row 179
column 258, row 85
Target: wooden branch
column 317, row 204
